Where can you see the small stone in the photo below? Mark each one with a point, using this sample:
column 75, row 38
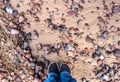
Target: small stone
column 1, row 76
column 14, row 31
column 116, row 9
column 9, row 9
column 5, row 1
column 106, row 78
column 22, row 76
column 25, row 44
column 32, row 71
column 70, row 53
column 116, row 52
column 32, row 64
column 99, row 74
column 84, row 79
column 77, row 1
column 37, row 80
column 21, row 19
column 15, row 12
column 69, row 48
column 101, row 57
column 28, row 36
column 21, row 34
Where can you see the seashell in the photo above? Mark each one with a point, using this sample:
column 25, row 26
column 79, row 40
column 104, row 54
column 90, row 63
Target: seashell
column 9, row 9
column 14, row 31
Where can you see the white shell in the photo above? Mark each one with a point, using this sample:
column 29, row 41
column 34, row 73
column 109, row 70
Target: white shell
column 105, row 77
column 9, row 9
column 14, row 31
column 101, row 57
column 69, row 47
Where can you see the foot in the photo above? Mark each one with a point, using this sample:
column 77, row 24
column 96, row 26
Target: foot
column 53, row 68
column 64, row 67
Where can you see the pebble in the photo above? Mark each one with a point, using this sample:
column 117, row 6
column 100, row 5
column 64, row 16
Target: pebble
column 70, row 53
column 118, row 43
column 99, row 74
column 21, row 34
column 1, row 76
column 106, row 78
column 101, row 57
column 36, row 33
column 21, row 19
column 5, row 1
column 116, row 52
column 15, row 12
column 28, row 36
column 69, row 48
column 116, row 9
column 77, row 1
column 9, row 9
column 105, row 34
column 84, row 80
column 22, row 76
column 25, row 44
column 14, row 31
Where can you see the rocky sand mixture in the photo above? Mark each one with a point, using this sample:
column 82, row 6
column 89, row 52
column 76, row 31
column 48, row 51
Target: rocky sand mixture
column 85, row 34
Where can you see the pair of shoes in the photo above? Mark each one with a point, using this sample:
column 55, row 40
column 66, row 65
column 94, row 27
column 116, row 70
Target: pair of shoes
column 53, row 67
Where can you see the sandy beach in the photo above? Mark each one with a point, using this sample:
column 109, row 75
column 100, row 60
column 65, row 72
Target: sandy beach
column 83, row 33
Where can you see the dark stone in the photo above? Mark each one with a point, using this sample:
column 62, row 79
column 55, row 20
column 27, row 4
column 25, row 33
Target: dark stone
column 21, row 34
column 116, row 52
column 116, row 9
column 5, row 1
column 15, row 12
column 28, row 36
